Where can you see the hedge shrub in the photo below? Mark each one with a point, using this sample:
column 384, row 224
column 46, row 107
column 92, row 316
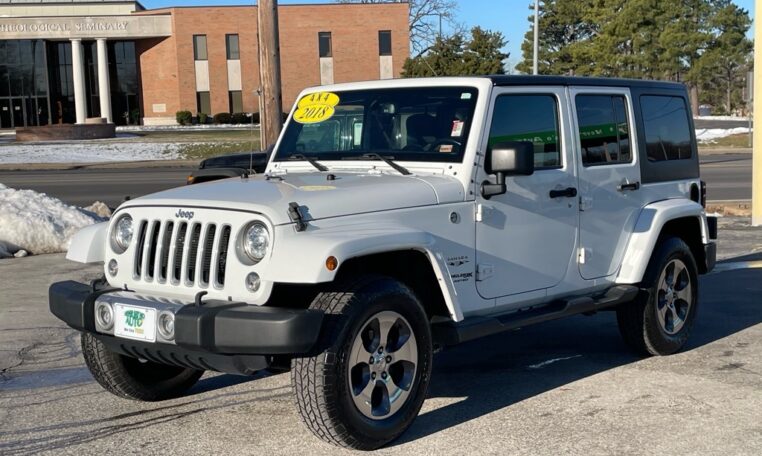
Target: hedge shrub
column 222, row 118
column 184, row 117
column 240, row 118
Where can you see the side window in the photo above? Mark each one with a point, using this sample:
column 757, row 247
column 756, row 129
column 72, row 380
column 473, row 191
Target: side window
column 604, row 131
column 531, row 118
column 666, row 126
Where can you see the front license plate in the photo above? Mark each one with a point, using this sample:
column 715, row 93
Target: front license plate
column 132, row 322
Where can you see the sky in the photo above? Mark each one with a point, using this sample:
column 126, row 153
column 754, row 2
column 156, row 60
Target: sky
column 507, row 16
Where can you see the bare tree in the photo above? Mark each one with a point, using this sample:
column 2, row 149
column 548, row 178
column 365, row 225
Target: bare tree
column 426, row 19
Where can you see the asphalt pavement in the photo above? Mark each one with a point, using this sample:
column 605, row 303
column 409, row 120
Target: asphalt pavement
column 727, row 173
column 565, row 387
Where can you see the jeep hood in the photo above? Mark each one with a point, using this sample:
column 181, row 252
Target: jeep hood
column 318, row 197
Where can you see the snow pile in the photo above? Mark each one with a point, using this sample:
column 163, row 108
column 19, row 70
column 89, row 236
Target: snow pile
column 185, row 127
column 37, row 223
column 710, row 134
column 721, row 118
column 112, row 151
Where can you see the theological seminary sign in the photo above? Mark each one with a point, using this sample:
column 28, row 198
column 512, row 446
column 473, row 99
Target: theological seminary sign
column 85, row 27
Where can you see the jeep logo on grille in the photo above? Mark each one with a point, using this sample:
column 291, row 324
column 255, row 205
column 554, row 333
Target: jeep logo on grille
column 184, row 214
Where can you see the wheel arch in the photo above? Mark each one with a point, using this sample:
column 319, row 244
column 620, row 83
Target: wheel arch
column 680, row 218
column 414, row 268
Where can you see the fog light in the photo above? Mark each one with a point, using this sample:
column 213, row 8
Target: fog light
column 253, row 282
column 113, row 267
column 166, row 325
column 104, row 315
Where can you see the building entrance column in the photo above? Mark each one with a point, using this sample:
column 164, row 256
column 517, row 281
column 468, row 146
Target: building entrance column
column 78, row 73
column 104, row 86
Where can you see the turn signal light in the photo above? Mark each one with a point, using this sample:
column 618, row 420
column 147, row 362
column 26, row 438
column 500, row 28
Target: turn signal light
column 331, row 263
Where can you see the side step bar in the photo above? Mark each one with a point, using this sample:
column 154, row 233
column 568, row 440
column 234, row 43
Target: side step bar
column 450, row 333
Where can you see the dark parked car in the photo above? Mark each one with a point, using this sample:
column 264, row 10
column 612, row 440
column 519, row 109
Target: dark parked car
column 233, row 165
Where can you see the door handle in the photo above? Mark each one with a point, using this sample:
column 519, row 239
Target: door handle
column 629, row 186
column 569, row 192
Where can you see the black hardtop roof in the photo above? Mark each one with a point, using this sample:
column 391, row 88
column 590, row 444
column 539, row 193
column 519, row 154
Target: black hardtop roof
column 511, row 80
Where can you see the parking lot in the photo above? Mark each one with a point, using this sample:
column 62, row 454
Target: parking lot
column 567, row 387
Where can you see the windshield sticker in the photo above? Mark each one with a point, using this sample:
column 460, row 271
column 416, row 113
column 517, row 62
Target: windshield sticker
column 445, row 148
column 465, row 96
column 457, row 128
column 316, row 107
column 317, row 188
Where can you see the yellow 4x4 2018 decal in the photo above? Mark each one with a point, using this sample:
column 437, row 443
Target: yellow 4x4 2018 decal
column 316, row 107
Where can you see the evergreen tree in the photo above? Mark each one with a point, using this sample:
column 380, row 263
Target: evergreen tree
column 455, row 56
column 700, row 42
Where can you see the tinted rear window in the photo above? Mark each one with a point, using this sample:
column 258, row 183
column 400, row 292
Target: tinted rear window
column 667, row 127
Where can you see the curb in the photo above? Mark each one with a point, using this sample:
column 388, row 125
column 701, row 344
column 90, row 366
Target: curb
column 184, row 163
column 739, row 208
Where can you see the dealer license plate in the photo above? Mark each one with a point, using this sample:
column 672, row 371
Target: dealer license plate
column 132, row 322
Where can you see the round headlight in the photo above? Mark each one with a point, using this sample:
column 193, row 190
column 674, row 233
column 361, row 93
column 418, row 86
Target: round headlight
column 122, row 234
column 256, row 239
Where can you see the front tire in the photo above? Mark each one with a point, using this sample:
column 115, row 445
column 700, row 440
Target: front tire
column 660, row 319
column 131, row 378
column 369, row 381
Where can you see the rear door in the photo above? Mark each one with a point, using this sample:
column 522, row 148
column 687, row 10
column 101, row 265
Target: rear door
column 609, row 177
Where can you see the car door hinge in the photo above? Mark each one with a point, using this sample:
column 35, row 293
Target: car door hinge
column 585, row 203
column 484, row 272
column 479, row 216
column 583, row 254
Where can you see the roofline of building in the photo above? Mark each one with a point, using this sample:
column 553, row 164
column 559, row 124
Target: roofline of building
column 289, row 5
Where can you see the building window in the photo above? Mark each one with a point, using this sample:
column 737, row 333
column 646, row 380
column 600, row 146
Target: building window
column 203, row 102
column 667, row 128
column 604, row 132
column 199, row 47
column 231, row 41
column 324, row 43
column 530, row 118
column 235, row 98
column 385, row 42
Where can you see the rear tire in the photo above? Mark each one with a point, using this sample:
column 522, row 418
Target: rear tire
column 660, row 319
column 369, row 381
column 131, row 378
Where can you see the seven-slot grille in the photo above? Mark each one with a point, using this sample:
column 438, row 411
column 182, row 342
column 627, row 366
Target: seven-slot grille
column 182, row 253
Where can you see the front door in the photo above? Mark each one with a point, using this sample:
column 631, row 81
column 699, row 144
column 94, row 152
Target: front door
column 19, row 112
column 526, row 237
column 5, row 113
column 609, row 177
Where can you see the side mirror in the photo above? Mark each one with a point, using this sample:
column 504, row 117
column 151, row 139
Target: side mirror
column 510, row 158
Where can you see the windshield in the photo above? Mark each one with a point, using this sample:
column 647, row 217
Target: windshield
column 409, row 124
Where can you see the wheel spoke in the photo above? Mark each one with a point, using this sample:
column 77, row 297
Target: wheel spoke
column 669, row 274
column 407, row 352
column 679, row 271
column 685, row 294
column 384, row 327
column 364, row 400
column 359, row 354
column 396, row 395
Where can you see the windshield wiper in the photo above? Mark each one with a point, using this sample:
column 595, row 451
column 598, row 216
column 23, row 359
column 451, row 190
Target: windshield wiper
column 312, row 161
column 388, row 160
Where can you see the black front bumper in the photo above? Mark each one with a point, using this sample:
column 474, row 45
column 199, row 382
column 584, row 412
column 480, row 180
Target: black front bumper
column 214, row 333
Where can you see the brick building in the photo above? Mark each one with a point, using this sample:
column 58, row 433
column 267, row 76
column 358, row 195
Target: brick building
column 62, row 61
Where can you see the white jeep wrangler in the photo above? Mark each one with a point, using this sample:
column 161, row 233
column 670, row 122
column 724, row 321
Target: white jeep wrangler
column 396, row 218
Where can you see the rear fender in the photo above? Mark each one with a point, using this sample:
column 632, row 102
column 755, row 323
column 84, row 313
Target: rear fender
column 649, row 226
